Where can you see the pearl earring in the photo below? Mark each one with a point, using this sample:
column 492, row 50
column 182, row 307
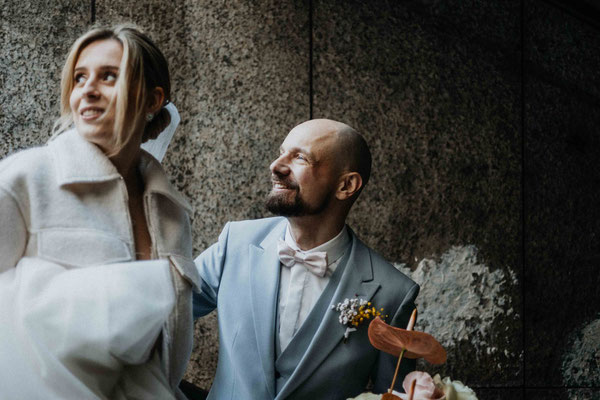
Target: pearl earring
column 149, row 117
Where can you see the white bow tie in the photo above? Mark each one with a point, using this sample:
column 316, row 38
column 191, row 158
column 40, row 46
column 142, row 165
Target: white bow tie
column 314, row 262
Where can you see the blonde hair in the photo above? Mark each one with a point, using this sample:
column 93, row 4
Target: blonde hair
column 143, row 68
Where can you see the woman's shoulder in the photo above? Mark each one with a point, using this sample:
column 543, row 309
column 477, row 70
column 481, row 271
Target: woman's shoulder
column 32, row 163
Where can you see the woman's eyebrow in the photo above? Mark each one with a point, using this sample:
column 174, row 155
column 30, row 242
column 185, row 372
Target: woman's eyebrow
column 103, row 67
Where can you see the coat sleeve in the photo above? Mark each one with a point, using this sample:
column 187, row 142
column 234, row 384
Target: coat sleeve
column 210, row 266
column 13, row 231
column 386, row 364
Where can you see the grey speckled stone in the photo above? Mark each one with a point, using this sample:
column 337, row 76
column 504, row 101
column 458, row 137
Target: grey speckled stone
column 562, row 230
column 499, row 394
column 562, row 394
column 240, row 81
column 442, row 116
column 35, row 37
column 435, row 87
column 581, row 356
column 466, row 305
column 563, row 226
column 562, row 49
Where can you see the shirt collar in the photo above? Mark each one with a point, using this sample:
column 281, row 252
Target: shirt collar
column 335, row 248
column 79, row 161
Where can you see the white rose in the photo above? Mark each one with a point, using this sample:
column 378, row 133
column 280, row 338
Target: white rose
column 454, row 390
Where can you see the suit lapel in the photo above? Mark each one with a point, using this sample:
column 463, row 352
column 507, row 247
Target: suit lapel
column 356, row 281
column 264, row 284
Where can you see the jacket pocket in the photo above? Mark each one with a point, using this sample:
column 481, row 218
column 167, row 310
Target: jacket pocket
column 81, row 247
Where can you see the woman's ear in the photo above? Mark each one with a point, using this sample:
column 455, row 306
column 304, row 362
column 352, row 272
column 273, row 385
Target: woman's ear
column 156, row 100
column 349, row 184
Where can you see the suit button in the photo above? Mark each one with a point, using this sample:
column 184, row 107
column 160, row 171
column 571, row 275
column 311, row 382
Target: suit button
column 277, row 375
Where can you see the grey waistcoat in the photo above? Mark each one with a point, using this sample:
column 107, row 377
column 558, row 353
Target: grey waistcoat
column 286, row 362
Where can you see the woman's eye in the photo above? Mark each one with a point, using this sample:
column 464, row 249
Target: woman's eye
column 79, row 78
column 300, row 157
column 110, row 77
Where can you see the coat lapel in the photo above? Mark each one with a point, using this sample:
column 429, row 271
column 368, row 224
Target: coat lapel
column 264, row 284
column 356, row 281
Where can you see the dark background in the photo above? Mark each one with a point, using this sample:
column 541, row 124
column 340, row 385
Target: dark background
column 482, row 117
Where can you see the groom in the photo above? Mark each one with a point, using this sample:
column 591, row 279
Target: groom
column 274, row 281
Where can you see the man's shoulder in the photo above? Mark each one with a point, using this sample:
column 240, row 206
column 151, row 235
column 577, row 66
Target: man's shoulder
column 254, row 230
column 383, row 270
column 261, row 223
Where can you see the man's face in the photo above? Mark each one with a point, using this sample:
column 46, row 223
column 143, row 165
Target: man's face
column 304, row 175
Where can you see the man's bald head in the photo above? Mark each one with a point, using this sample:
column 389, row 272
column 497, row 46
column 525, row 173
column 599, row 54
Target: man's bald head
column 349, row 148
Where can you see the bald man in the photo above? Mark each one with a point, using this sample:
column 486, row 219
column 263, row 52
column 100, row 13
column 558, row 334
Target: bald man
column 276, row 282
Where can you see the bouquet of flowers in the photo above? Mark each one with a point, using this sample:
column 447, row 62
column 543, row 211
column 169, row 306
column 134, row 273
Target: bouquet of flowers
column 428, row 388
column 413, row 344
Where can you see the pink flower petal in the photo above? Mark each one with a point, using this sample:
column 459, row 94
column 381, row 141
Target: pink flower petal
column 425, row 388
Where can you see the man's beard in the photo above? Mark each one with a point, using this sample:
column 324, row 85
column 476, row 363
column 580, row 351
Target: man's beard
column 280, row 204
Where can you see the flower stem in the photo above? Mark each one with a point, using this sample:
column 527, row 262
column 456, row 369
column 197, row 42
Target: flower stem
column 411, row 325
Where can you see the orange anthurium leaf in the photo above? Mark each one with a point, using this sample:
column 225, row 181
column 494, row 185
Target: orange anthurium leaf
column 417, row 344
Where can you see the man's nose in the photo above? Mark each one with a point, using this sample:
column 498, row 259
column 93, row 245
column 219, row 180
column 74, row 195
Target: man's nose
column 279, row 166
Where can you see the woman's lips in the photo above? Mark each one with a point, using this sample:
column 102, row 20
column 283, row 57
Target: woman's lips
column 91, row 113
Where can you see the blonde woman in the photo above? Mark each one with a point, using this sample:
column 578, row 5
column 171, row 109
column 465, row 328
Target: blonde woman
column 76, row 218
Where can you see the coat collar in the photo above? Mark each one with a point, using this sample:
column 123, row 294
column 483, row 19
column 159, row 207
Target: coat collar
column 264, row 283
column 79, row 161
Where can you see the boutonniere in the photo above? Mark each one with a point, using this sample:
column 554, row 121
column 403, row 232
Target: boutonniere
column 354, row 312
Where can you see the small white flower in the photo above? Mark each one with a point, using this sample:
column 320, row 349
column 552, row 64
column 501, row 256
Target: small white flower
column 348, row 332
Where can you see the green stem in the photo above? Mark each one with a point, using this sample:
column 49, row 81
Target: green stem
column 396, row 372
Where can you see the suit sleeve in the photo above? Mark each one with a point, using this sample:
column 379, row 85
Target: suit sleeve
column 386, row 364
column 210, row 266
column 13, row 231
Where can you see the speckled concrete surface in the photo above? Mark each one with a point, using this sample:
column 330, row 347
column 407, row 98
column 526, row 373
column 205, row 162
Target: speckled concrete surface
column 35, row 37
column 561, row 181
column 561, row 49
column 504, row 393
column 441, row 114
column 466, row 305
column 581, row 356
column 435, row 86
column 562, row 394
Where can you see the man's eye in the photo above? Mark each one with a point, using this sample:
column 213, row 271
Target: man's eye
column 300, row 157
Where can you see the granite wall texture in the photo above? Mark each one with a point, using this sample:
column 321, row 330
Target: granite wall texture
column 481, row 117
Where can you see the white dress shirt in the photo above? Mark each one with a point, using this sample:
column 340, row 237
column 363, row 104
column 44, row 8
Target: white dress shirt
column 299, row 289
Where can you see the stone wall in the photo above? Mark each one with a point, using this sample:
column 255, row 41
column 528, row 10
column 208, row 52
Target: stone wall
column 481, row 118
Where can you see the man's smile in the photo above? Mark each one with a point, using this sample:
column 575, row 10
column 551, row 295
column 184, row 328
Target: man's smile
column 282, row 185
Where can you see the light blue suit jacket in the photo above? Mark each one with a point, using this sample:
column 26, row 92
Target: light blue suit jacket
column 240, row 277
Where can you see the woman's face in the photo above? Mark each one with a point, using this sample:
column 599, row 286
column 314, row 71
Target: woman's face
column 94, row 79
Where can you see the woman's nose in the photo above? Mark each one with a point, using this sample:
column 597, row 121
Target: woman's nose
column 90, row 88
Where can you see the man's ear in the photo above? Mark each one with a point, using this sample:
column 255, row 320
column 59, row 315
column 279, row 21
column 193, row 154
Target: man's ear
column 349, row 184
column 155, row 100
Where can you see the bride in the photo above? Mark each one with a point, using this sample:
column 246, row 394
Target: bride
column 96, row 269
